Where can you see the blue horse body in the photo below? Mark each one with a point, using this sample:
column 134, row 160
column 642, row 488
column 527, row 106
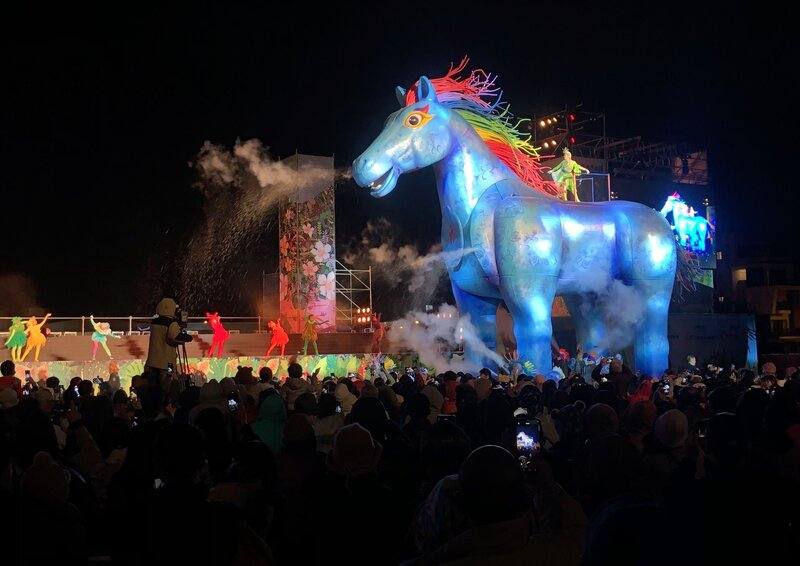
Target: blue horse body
column 513, row 244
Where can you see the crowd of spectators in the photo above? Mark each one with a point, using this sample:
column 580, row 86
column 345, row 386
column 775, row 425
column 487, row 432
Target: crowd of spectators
column 695, row 466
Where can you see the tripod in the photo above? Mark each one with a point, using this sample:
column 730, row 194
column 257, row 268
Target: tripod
column 182, row 360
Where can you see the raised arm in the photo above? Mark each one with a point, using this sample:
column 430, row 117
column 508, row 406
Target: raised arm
column 44, row 320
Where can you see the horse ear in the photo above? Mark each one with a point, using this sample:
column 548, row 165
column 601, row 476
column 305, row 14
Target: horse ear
column 425, row 90
column 400, row 93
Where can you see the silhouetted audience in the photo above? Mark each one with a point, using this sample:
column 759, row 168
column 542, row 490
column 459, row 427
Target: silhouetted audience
column 413, row 468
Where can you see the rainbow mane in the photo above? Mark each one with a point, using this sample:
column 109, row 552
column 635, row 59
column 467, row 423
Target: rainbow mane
column 477, row 100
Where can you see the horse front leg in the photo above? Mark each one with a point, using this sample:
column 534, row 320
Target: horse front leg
column 483, row 315
column 530, row 301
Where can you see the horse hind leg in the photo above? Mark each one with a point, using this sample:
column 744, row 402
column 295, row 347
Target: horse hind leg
column 589, row 321
column 651, row 342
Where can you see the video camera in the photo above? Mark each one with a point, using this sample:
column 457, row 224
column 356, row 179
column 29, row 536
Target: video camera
column 182, row 318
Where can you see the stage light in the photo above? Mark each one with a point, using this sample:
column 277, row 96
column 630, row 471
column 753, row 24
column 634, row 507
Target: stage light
column 554, row 144
column 542, row 124
column 416, row 322
column 549, row 121
column 367, row 309
column 572, row 117
column 571, row 139
column 546, row 144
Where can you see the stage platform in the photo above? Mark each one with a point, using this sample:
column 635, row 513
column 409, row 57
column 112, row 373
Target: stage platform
column 66, row 357
column 79, row 348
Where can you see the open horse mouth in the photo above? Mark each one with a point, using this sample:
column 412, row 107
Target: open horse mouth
column 383, row 184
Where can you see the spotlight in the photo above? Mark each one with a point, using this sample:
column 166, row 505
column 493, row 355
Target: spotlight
column 367, row 309
column 572, row 117
column 542, row 124
column 546, row 144
column 553, row 143
column 549, row 121
column 571, row 139
column 416, row 322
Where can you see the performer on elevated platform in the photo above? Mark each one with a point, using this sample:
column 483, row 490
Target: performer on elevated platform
column 279, row 337
column 564, row 174
column 379, row 332
column 310, row 334
column 220, row 334
column 36, row 339
column 16, row 338
column 102, row 330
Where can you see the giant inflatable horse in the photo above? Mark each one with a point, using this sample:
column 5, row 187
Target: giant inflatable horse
column 519, row 245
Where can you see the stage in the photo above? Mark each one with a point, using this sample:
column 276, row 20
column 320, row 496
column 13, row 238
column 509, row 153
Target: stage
column 66, row 357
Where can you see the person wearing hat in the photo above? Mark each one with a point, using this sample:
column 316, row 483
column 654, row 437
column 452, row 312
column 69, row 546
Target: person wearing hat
column 354, row 452
column 663, row 458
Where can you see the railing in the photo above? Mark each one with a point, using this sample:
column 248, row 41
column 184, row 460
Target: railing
column 603, row 182
column 131, row 325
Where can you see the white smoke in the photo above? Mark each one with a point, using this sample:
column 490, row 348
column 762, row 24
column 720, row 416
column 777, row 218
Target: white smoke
column 241, row 188
column 620, row 306
column 396, row 265
column 434, row 335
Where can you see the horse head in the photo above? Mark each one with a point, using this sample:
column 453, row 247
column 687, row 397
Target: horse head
column 414, row 137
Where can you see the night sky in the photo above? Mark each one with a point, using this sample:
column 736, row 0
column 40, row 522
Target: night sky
column 102, row 112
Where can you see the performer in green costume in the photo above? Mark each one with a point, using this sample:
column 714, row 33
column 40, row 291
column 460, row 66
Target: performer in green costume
column 564, row 174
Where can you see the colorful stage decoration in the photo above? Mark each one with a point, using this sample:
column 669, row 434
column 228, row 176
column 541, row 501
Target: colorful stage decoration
column 564, row 174
column 307, row 246
column 279, row 337
column 509, row 238
column 204, row 369
column 36, row 338
column 691, row 231
column 102, row 331
column 16, row 338
column 220, row 334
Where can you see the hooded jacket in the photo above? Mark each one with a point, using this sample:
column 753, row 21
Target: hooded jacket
column 161, row 351
column 271, row 420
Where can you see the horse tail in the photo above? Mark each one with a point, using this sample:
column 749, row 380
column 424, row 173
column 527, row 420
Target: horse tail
column 687, row 270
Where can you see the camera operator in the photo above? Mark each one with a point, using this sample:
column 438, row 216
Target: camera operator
column 167, row 333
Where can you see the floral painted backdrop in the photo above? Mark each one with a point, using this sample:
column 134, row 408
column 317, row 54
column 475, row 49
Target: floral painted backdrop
column 308, row 259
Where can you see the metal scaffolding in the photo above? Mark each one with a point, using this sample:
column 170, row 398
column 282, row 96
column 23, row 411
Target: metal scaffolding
column 353, row 296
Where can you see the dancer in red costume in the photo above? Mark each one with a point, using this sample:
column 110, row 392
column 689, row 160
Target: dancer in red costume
column 378, row 333
column 279, row 337
column 220, row 334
